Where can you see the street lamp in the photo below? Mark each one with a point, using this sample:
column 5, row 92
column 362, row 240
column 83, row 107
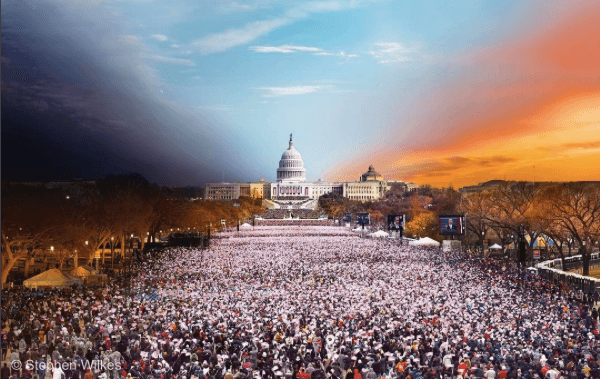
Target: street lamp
column 112, row 252
column 51, row 248
column 482, row 237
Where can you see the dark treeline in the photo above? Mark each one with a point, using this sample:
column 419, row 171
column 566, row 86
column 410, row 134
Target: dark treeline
column 75, row 220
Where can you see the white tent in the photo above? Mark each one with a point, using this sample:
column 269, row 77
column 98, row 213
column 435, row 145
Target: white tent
column 51, row 278
column 379, row 234
column 83, row 271
column 496, row 247
column 88, row 275
column 424, row 242
column 357, row 229
column 245, row 225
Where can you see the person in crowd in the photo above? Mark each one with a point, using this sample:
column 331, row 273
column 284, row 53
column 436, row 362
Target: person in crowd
column 308, row 303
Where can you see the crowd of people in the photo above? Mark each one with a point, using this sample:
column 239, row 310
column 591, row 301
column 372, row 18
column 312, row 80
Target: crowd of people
column 305, row 307
column 285, row 230
column 294, row 212
column 302, row 222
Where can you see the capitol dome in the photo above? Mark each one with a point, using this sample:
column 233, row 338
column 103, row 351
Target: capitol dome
column 371, row 175
column 291, row 166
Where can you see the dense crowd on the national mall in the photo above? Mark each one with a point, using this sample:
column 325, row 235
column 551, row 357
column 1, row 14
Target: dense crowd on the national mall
column 295, row 213
column 305, row 307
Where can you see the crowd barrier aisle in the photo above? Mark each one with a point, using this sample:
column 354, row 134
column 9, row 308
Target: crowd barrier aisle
column 552, row 270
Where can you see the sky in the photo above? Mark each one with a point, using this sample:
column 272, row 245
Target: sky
column 187, row 92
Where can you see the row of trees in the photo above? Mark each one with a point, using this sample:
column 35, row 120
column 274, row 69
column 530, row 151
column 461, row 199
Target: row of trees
column 76, row 221
column 567, row 215
column 421, row 208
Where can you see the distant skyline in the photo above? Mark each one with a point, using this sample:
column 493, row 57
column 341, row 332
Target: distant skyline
column 187, row 92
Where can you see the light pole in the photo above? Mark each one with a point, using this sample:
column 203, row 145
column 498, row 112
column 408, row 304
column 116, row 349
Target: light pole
column 585, row 256
column 131, row 246
column 482, row 228
column 87, row 243
column 112, row 252
column 482, row 239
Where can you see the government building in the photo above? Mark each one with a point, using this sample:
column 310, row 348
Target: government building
column 292, row 191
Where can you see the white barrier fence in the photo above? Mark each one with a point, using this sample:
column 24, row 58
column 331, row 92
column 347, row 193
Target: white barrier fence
column 554, row 271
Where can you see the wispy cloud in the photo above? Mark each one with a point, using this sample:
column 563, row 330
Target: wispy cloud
column 238, row 6
column 284, row 49
column 171, row 60
column 159, row 37
column 451, row 165
column 219, row 42
column 584, row 145
column 340, row 54
column 391, row 52
column 285, row 91
column 287, row 49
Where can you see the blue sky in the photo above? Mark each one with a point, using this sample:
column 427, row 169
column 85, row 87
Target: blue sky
column 216, row 87
column 270, row 68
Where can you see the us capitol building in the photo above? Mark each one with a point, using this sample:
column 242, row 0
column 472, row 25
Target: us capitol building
column 291, row 190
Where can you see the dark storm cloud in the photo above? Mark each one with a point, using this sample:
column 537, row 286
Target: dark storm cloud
column 79, row 100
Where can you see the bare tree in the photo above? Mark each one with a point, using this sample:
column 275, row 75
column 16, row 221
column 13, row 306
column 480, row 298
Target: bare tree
column 475, row 206
column 28, row 224
column 574, row 208
column 515, row 209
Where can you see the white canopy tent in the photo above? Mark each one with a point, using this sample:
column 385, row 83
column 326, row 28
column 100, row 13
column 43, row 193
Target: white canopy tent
column 51, row 278
column 245, row 225
column 424, row 242
column 496, row 247
column 379, row 234
column 83, row 271
column 88, row 275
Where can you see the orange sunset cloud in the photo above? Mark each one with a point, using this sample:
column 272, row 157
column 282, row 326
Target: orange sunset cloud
column 526, row 107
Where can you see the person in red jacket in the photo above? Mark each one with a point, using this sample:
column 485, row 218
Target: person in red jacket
column 302, row 374
column 502, row 373
column 462, row 368
column 357, row 374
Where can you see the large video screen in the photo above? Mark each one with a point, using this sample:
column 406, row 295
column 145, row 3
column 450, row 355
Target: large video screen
column 395, row 222
column 362, row 218
column 452, row 225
